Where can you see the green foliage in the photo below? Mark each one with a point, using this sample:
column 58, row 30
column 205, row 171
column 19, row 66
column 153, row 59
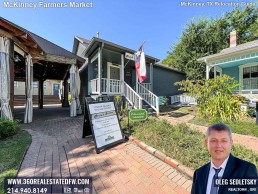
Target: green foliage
column 69, row 97
column 12, row 151
column 180, row 142
column 245, row 126
column 165, row 100
column 215, row 97
column 8, row 128
column 121, row 106
column 207, row 36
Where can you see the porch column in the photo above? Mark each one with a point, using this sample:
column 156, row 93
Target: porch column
column 136, row 82
column 207, row 71
column 40, row 94
column 99, row 69
column 5, row 83
column 29, row 90
column 65, row 102
column 11, row 64
column 151, row 77
column 122, row 72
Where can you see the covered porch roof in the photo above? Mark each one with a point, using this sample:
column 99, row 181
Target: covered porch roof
column 234, row 56
column 97, row 42
column 50, row 60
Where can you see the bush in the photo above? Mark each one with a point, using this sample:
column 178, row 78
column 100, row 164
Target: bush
column 215, row 97
column 8, row 128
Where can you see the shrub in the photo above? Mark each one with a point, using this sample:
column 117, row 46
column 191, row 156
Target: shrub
column 215, row 97
column 8, row 128
column 180, row 142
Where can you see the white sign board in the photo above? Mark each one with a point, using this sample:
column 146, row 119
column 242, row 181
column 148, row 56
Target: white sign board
column 129, row 56
column 105, row 124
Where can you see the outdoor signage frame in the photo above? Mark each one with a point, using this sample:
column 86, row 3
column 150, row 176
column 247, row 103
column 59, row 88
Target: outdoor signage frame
column 88, row 123
column 138, row 111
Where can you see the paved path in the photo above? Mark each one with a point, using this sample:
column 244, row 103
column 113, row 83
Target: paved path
column 57, row 149
column 248, row 141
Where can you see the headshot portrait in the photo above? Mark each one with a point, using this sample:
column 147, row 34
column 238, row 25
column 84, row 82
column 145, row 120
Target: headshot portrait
column 223, row 164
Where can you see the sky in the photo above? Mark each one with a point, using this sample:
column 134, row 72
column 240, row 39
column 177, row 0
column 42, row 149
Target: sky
column 125, row 22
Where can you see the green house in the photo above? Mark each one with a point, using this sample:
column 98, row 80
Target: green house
column 239, row 62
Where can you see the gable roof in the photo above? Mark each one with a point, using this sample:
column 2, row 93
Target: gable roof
column 232, row 50
column 97, row 41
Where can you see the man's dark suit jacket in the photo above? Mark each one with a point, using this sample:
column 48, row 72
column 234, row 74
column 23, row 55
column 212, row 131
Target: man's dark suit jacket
column 235, row 168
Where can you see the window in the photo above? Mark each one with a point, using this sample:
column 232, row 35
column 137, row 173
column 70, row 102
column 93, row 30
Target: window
column 250, row 77
column 15, row 84
column 35, row 84
column 45, row 85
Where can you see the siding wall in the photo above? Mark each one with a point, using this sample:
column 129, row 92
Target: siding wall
column 163, row 82
column 232, row 72
column 20, row 90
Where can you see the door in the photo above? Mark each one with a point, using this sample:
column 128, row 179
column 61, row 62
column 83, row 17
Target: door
column 113, row 85
column 114, row 72
column 55, row 89
column 128, row 77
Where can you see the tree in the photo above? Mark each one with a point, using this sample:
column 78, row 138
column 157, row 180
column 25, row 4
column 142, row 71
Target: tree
column 209, row 36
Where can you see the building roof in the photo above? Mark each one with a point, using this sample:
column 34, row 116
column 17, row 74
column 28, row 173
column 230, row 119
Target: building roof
column 232, row 50
column 97, row 41
column 83, row 40
column 167, row 67
column 46, row 46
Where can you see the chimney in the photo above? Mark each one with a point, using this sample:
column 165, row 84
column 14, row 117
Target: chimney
column 97, row 34
column 233, row 38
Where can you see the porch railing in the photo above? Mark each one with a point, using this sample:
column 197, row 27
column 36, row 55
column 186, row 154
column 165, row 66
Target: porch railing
column 94, row 86
column 108, row 86
column 147, row 85
column 149, row 97
column 111, row 86
column 182, row 98
column 132, row 97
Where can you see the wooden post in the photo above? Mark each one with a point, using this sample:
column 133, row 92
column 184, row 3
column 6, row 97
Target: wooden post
column 40, row 94
column 122, row 72
column 99, row 70
column 11, row 64
column 65, row 102
column 151, row 77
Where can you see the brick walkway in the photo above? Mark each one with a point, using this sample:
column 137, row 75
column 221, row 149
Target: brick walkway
column 57, row 149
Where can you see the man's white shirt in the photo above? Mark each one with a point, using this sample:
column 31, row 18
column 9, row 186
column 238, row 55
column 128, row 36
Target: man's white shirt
column 212, row 173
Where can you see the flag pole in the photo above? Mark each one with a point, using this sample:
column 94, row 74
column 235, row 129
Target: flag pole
column 130, row 59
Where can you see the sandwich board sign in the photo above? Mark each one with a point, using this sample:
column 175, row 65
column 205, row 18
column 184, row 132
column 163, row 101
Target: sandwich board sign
column 104, row 123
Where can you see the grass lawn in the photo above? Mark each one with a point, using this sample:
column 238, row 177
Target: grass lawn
column 247, row 126
column 12, row 151
column 180, row 142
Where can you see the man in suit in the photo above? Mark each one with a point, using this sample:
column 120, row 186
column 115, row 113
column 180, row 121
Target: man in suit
column 219, row 142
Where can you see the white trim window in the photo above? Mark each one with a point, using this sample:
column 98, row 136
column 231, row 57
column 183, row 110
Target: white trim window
column 250, row 78
column 113, row 71
column 35, row 84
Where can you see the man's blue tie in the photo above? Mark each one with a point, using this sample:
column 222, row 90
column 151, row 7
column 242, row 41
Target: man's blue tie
column 214, row 189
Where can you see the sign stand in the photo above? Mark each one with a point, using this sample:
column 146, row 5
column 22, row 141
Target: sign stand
column 103, row 122
column 86, row 123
